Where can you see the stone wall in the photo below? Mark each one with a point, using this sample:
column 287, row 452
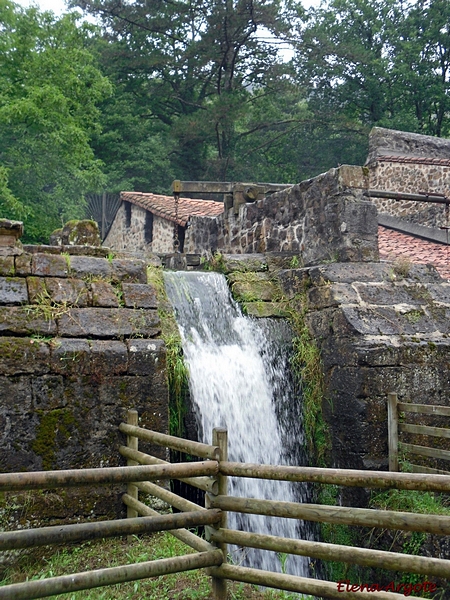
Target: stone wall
column 79, row 345
column 132, row 238
column 380, row 328
column 325, row 218
column 411, row 163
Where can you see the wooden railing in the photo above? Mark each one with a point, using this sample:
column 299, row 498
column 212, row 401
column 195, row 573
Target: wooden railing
column 211, row 475
column 395, row 428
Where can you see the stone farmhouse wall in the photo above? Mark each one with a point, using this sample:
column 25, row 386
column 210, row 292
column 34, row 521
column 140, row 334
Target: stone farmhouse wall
column 79, row 345
column 411, row 163
column 325, row 218
column 132, row 238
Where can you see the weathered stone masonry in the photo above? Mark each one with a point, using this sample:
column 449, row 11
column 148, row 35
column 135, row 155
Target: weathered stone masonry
column 378, row 330
column 410, row 163
column 325, row 218
column 79, row 345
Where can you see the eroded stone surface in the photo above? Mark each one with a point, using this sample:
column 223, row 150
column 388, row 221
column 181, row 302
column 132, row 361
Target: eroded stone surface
column 139, row 295
column 13, row 290
column 108, row 323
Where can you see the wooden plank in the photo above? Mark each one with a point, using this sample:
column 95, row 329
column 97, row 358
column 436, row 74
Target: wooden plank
column 62, row 534
column 170, row 441
column 425, row 451
column 101, row 577
column 11, row 482
column 219, row 587
column 183, row 535
column 393, row 561
column 424, row 430
column 132, row 444
column 291, row 583
column 166, row 496
column 346, row 477
column 203, row 483
column 424, row 409
column 422, row 469
column 342, row 515
column 393, row 431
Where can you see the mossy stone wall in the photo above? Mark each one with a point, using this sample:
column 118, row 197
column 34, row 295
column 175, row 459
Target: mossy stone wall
column 79, row 345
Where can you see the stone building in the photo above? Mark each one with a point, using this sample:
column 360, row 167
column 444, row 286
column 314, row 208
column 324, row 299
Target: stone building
column 147, row 222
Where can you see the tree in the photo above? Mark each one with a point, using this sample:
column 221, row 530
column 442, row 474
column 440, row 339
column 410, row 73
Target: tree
column 49, row 92
column 379, row 62
column 196, row 70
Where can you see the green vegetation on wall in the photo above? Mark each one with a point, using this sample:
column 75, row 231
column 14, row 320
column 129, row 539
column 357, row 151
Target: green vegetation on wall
column 177, row 373
column 306, row 364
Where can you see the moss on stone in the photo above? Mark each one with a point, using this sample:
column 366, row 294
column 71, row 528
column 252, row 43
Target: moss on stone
column 54, row 427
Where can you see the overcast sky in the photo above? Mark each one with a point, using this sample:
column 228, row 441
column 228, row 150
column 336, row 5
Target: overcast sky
column 59, row 6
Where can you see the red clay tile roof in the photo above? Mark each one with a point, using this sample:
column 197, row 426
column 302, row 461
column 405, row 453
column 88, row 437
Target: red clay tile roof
column 164, row 206
column 393, row 244
column 415, row 160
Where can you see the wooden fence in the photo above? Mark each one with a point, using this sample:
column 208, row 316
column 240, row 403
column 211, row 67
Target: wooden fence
column 211, row 475
column 395, row 428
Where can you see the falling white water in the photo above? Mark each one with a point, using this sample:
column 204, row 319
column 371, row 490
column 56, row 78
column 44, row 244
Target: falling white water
column 239, row 379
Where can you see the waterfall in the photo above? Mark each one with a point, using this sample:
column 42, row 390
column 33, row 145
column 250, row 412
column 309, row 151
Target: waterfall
column 239, row 379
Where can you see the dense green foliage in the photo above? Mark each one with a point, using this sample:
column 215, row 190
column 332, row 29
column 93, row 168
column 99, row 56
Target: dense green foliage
column 215, row 90
column 49, row 89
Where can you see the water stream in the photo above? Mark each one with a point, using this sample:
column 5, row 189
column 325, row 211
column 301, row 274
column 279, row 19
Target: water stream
column 239, row 379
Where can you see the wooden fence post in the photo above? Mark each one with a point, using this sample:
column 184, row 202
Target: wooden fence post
column 393, row 431
column 132, row 442
column 220, row 439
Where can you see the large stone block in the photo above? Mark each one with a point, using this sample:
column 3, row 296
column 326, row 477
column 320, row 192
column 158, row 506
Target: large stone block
column 89, row 266
column 23, row 355
column 108, row 323
column 139, row 295
column 133, row 271
column 104, row 295
column 49, row 265
column 23, row 320
column 67, row 291
column 22, row 264
column 13, row 290
column 7, row 266
column 70, row 356
column 108, row 357
column 145, row 356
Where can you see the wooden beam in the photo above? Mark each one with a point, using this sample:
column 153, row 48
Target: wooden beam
column 346, row 477
column 342, row 515
column 424, row 409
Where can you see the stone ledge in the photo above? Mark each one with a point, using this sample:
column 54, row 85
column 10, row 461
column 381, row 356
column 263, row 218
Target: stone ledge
column 108, row 323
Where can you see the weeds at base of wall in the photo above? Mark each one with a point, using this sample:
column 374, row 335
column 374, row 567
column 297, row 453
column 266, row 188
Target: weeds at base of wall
column 177, row 372
column 307, row 370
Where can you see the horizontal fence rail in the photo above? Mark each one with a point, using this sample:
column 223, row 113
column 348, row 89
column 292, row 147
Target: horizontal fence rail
column 305, row 585
column 10, row 482
column 203, row 483
column 393, row 561
column 169, row 441
column 344, row 477
column 111, row 576
column 341, row 515
column 212, row 475
column 395, row 428
column 61, row 534
column 192, row 540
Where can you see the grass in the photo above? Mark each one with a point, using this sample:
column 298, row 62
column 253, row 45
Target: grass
column 46, row 562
